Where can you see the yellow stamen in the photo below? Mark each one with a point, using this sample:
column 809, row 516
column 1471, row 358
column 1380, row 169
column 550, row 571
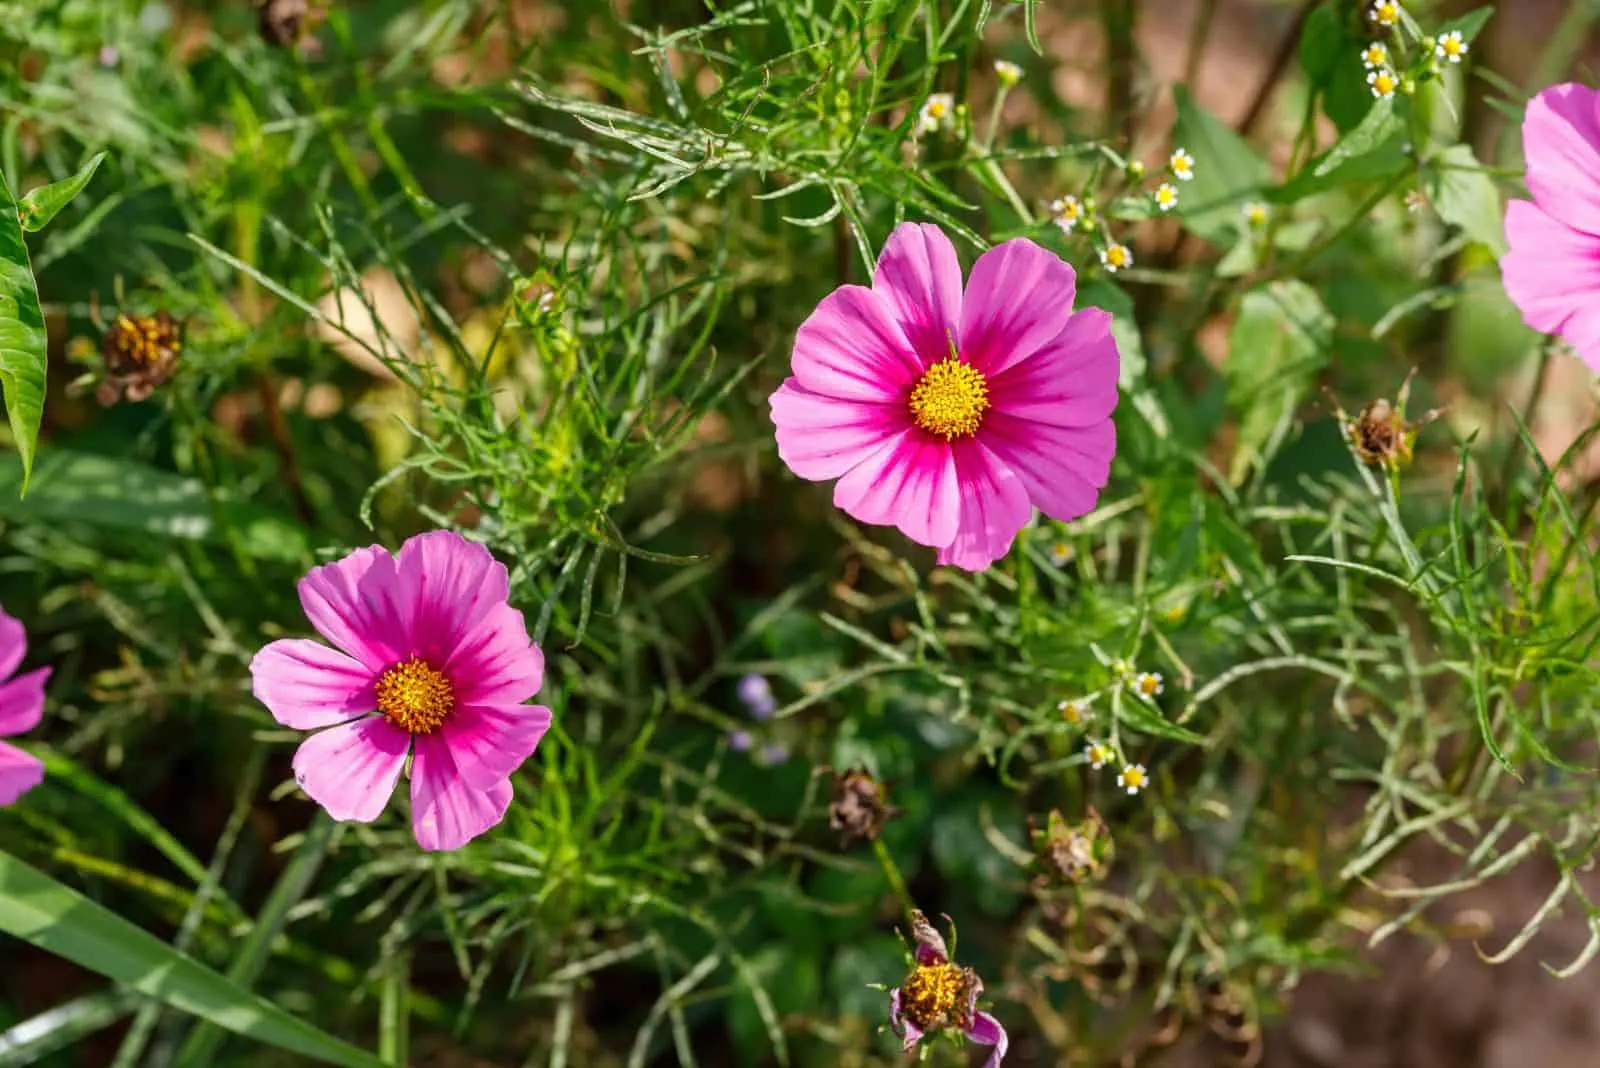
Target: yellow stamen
column 935, row 996
column 950, row 400
column 415, row 696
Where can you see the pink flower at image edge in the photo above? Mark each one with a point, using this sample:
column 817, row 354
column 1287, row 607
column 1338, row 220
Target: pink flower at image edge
column 1552, row 271
column 948, row 413
column 429, row 660
column 21, row 706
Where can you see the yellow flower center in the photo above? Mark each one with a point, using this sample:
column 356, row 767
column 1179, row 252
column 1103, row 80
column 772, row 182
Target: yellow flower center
column 1117, row 256
column 950, row 399
column 415, row 696
column 936, row 996
column 1452, row 46
column 936, row 109
column 1149, row 684
column 1384, row 84
column 1133, row 778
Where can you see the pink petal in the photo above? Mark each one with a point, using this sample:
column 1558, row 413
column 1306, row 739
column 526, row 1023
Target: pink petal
column 910, row 1034
column 351, row 603
column 13, row 644
column 489, row 742
column 19, row 773
column 1018, row 300
column 909, row 483
column 449, row 584
column 1552, row 274
column 22, row 702
column 1561, row 140
column 306, row 685
column 350, row 770
column 1062, row 468
column 850, row 347
column 994, row 506
column 496, row 662
column 986, row 1031
column 1072, row 381
column 821, row 437
column 919, row 277
column 447, row 812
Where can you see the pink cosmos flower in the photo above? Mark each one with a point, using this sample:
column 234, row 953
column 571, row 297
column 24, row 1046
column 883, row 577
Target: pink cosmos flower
column 1552, row 270
column 21, row 705
column 951, row 414
column 939, row 996
column 428, row 660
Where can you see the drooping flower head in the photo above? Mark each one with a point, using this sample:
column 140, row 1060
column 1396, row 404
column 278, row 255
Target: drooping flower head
column 948, row 414
column 938, row 996
column 21, row 706
column 428, row 660
column 1552, row 270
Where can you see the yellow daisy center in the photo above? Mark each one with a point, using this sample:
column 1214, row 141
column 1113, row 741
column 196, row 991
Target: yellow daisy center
column 935, row 996
column 415, row 696
column 936, row 109
column 1384, row 83
column 950, row 399
column 1132, row 778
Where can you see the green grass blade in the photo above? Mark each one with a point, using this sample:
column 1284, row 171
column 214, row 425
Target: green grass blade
column 32, row 1040
column 56, row 918
column 22, row 337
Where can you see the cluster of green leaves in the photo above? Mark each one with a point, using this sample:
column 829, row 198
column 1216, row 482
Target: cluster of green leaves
column 588, row 295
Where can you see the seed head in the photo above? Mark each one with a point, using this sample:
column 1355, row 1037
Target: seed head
column 1072, row 852
column 140, row 353
column 860, row 805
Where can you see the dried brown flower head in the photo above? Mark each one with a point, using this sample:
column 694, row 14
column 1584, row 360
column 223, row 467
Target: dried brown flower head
column 288, row 23
column 140, row 353
column 860, row 805
column 1381, row 434
column 1072, row 852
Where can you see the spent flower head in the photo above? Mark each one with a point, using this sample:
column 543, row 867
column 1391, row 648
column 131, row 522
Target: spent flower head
column 1072, row 852
column 1008, row 73
column 860, row 805
column 939, row 997
column 140, row 354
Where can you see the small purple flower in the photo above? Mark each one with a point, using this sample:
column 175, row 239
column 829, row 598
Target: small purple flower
column 741, row 741
column 939, row 996
column 756, row 693
column 109, row 56
column 774, row 753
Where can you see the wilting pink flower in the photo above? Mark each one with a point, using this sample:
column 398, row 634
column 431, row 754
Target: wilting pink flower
column 428, row 660
column 1552, row 270
column 951, row 415
column 939, row 996
column 21, row 705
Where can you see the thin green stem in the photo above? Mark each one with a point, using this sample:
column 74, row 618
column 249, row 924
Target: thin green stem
column 896, row 881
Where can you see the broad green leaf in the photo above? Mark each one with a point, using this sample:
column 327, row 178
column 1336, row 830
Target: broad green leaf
column 22, row 340
column 1107, row 295
column 111, row 492
column 1465, row 196
column 1374, row 132
column 56, row 918
column 1279, row 341
column 41, row 205
column 1227, row 171
column 1322, row 44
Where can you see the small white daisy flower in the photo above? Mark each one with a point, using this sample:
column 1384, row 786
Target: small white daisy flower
column 1099, row 754
column 1133, row 778
column 1383, row 83
column 1067, row 212
column 937, row 112
column 1384, row 12
column 1255, row 213
column 1075, row 713
column 1451, row 47
column 1375, row 55
column 1061, row 553
column 1182, row 165
column 1147, row 684
column 1166, row 196
column 1114, row 257
column 1008, row 73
